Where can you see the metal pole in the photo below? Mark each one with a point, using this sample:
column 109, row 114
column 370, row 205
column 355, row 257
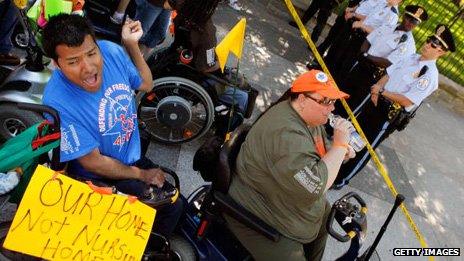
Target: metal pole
column 398, row 200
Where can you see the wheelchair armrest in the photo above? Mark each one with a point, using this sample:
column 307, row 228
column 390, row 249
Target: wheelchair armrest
column 236, row 211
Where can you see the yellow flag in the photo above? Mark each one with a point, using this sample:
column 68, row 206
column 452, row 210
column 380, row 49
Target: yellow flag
column 232, row 42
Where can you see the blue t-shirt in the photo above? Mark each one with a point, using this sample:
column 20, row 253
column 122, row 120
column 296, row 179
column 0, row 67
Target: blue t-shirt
column 106, row 119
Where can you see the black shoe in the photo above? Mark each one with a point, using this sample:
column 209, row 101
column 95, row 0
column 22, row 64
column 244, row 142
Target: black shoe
column 292, row 23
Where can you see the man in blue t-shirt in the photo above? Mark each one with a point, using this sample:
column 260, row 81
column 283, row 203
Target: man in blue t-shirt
column 93, row 92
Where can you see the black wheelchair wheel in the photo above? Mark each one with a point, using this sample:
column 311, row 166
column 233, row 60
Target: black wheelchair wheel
column 176, row 110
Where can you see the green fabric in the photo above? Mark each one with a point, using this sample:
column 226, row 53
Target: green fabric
column 34, row 12
column 18, row 152
column 55, row 7
column 281, row 178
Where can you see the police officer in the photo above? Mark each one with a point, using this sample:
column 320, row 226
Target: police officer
column 383, row 15
column 396, row 96
column 354, row 8
column 384, row 46
column 352, row 36
column 324, row 9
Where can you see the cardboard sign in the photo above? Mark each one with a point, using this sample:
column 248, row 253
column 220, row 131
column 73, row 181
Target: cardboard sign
column 62, row 219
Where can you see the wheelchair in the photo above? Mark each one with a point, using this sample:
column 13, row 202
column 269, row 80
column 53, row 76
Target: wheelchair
column 205, row 228
column 186, row 103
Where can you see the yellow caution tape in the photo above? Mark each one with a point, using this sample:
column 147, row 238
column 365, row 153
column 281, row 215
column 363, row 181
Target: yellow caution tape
column 377, row 162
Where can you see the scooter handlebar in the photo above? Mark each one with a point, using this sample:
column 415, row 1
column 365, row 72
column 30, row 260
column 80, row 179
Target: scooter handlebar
column 40, row 108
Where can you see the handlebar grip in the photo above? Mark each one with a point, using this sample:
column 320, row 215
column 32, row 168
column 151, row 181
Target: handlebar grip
column 173, row 174
column 399, row 199
column 356, row 196
column 40, row 108
column 331, row 231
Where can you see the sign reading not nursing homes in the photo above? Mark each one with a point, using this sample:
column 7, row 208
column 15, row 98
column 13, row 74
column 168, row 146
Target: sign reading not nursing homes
column 62, row 219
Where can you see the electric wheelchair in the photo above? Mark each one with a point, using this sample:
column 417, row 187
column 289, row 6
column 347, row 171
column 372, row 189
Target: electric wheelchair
column 185, row 102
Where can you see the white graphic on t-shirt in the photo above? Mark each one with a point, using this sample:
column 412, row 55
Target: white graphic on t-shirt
column 308, row 180
column 67, row 145
column 115, row 114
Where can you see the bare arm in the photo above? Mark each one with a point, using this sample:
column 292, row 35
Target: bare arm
column 399, row 98
column 335, row 156
column 395, row 97
column 131, row 33
column 111, row 168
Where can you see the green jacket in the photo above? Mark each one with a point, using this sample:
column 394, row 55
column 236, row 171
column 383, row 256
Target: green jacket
column 281, row 177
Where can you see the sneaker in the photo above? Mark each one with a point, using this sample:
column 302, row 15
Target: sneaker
column 9, row 59
column 235, row 6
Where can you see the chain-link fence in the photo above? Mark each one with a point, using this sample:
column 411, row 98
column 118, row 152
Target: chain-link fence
column 446, row 12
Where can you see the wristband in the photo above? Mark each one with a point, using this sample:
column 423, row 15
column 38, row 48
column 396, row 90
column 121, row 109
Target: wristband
column 343, row 145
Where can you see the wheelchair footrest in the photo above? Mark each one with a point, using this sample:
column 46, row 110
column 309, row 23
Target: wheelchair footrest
column 238, row 212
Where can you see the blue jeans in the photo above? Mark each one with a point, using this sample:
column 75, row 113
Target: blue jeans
column 8, row 20
column 155, row 21
column 240, row 98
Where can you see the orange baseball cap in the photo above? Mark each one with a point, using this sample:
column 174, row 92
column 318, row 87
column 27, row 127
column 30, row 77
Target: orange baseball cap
column 317, row 81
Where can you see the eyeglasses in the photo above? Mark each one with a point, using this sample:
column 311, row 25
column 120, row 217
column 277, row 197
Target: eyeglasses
column 324, row 101
column 435, row 43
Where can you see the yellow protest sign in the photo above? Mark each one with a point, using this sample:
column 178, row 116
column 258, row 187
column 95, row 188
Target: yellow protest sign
column 232, row 42
column 63, row 219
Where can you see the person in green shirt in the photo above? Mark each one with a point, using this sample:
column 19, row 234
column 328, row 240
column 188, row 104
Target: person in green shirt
column 285, row 167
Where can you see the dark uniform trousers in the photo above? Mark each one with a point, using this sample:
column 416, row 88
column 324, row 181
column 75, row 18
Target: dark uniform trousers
column 337, row 50
column 375, row 124
column 324, row 9
column 336, row 29
column 358, row 84
column 351, row 53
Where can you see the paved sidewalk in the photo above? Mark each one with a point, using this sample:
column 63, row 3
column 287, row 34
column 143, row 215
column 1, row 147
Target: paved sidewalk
column 424, row 161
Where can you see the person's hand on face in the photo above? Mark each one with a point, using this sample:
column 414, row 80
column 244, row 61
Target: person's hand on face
column 154, row 176
column 342, row 131
column 131, row 32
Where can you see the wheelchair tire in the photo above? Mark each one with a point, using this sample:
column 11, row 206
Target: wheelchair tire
column 181, row 249
column 175, row 111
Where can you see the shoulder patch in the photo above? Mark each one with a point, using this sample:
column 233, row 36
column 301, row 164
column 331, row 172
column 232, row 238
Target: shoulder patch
column 308, row 180
column 423, row 83
column 403, row 49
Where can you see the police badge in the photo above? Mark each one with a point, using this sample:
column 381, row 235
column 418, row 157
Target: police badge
column 423, row 83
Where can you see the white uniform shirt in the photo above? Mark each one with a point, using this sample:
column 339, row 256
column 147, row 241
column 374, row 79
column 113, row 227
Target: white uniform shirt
column 385, row 43
column 382, row 15
column 367, row 6
column 404, row 79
